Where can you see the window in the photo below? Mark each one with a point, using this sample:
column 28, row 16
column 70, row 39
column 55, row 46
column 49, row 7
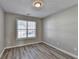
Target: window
column 26, row 29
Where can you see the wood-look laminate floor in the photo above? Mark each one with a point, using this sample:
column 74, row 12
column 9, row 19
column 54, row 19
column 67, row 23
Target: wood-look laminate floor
column 35, row 51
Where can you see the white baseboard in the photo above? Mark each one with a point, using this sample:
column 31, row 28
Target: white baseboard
column 64, row 51
column 22, row 45
column 40, row 42
column 2, row 53
column 17, row 46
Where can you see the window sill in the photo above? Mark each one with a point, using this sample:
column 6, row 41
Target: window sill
column 25, row 38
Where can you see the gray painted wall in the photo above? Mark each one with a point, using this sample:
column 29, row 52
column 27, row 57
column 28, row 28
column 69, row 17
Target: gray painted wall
column 60, row 30
column 1, row 30
column 11, row 30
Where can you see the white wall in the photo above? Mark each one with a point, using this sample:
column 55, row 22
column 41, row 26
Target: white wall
column 11, row 30
column 1, row 30
column 60, row 30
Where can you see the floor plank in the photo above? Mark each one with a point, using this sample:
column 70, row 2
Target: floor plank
column 35, row 51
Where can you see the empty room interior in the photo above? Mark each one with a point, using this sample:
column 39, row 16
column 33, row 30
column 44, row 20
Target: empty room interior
column 38, row 29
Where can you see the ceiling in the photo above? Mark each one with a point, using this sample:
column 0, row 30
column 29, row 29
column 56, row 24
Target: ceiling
column 24, row 7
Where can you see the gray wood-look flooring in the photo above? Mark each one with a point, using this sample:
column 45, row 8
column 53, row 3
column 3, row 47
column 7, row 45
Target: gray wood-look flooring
column 35, row 51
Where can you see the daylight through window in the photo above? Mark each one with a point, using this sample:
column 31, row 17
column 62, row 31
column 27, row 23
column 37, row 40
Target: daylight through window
column 26, row 29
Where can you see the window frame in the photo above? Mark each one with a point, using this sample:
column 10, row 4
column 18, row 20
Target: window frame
column 26, row 30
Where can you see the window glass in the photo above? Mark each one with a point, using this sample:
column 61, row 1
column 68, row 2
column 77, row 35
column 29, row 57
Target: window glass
column 26, row 29
column 21, row 24
column 31, row 33
column 22, row 33
column 31, row 25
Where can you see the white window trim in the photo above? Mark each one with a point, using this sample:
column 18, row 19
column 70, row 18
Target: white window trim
column 27, row 31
